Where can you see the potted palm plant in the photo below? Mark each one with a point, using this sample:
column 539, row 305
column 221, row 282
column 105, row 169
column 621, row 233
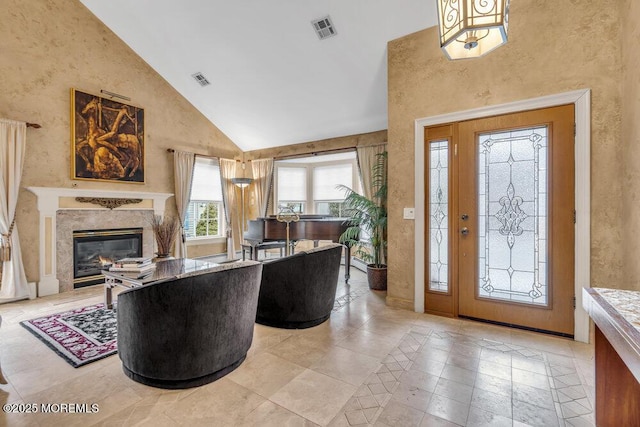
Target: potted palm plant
column 368, row 217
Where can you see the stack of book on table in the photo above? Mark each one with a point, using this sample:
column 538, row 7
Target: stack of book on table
column 133, row 267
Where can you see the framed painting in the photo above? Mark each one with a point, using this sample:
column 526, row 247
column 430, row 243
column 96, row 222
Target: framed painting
column 107, row 139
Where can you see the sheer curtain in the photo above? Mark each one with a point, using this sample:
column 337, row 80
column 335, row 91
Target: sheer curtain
column 262, row 170
column 13, row 141
column 183, row 176
column 229, row 200
column 367, row 157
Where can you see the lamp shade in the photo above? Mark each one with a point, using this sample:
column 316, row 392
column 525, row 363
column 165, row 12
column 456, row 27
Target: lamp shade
column 472, row 28
column 242, row 182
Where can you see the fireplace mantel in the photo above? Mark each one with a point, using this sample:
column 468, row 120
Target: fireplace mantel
column 52, row 199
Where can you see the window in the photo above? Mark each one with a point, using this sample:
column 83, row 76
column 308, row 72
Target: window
column 205, row 214
column 327, row 198
column 292, row 188
column 308, row 185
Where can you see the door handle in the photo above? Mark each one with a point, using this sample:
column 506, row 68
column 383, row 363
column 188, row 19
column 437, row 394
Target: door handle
column 464, row 231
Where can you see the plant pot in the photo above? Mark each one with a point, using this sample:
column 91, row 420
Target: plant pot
column 377, row 277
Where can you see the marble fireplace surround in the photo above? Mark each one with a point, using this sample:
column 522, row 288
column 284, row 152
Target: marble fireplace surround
column 61, row 214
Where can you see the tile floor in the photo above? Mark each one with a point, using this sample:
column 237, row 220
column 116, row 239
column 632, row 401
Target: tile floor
column 368, row 365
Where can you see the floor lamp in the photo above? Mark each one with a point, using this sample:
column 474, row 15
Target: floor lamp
column 242, row 183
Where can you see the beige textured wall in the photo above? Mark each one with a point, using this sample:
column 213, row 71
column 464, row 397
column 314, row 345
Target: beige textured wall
column 195, row 251
column 631, row 140
column 554, row 46
column 50, row 46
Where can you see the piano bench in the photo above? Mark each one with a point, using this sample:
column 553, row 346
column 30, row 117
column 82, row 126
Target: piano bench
column 253, row 248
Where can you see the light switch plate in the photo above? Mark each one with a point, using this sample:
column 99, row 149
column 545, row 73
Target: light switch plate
column 409, row 213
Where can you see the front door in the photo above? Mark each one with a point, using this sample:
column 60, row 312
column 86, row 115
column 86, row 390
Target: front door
column 505, row 213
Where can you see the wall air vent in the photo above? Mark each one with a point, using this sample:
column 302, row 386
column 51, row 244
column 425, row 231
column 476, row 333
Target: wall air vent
column 324, row 27
column 200, row 78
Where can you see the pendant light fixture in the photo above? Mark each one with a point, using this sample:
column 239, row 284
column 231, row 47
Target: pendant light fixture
column 472, row 28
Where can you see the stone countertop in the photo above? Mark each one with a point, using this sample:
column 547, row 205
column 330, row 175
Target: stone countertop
column 617, row 314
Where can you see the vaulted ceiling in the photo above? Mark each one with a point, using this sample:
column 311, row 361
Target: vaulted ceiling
column 273, row 81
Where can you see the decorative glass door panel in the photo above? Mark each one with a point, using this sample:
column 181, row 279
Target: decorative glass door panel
column 440, row 184
column 439, row 216
column 503, row 208
column 512, row 216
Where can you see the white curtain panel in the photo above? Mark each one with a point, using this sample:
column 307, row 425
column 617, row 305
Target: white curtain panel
column 262, row 170
column 367, row 157
column 183, row 176
column 229, row 199
column 13, row 141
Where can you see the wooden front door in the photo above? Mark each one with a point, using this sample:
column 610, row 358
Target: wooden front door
column 508, row 221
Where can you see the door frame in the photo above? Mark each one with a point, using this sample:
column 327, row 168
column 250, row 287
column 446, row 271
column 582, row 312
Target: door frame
column 582, row 101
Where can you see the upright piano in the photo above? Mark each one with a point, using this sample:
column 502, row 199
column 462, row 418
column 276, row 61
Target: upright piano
column 309, row 227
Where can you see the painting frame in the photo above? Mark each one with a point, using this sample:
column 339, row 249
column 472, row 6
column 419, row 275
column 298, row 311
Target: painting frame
column 107, row 139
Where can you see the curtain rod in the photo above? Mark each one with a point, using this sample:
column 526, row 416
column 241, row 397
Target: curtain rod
column 171, row 150
column 33, row 125
column 293, row 156
column 334, row 151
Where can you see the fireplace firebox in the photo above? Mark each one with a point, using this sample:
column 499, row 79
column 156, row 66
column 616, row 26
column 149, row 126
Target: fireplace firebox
column 92, row 249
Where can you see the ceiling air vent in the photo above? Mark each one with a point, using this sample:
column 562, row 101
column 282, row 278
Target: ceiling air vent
column 200, row 78
column 324, row 27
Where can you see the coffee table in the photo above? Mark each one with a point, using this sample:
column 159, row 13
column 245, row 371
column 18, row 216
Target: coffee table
column 165, row 270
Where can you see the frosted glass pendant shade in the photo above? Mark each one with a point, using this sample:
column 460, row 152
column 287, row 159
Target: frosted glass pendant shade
column 472, row 28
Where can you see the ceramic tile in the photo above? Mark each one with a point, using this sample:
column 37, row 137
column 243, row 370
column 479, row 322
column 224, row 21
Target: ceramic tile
column 494, row 369
column 368, row 343
column 491, row 402
column 530, row 378
column 412, row 396
column 265, row 374
column 300, row 350
column 222, row 402
column 535, row 396
column 533, row 415
column 386, row 327
column 459, row 375
column 419, row 379
column 535, row 366
column 397, row 414
column 432, row 421
column 268, row 414
column 429, row 366
column 463, row 361
column 454, row 390
column 480, row 418
column 448, row 409
column 314, row 396
column 347, row 366
column 494, row 385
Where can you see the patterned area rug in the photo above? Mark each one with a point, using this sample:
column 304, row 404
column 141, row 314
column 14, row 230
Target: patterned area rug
column 79, row 336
